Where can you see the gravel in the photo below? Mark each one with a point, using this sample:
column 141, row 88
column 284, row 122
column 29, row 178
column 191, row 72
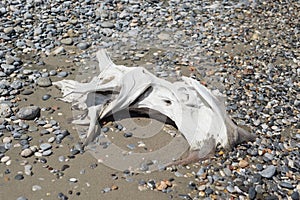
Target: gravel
column 249, row 50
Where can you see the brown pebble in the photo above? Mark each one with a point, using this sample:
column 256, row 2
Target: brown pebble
column 114, row 187
column 243, row 163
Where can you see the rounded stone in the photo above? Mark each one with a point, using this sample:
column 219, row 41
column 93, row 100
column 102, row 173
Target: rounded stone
column 46, row 97
column 44, row 81
column 19, row 177
column 26, row 153
column 28, row 113
column 45, row 146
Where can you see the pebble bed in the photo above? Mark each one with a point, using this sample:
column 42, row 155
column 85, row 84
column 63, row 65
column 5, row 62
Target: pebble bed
column 249, row 50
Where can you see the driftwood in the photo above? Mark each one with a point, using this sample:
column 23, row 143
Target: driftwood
column 197, row 112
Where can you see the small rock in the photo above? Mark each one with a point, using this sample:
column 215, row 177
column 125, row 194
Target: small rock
column 252, row 193
column 44, row 81
column 286, row 185
column 45, row 146
column 82, row 45
column 27, row 170
column 243, row 163
column 47, row 153
column 28, row 113
column 6, row 140
column 46, row 97
column 268, row 172
column 26, row 153
column 128, row 134
column 62, row 74
column 4, row 159
column 57, row 51
column 19, row 177
column 22, row 198
column 295, row 195
column 107, row 25
column 36, row 188
column 67, row 41
column 5, row 110
column 73, row 180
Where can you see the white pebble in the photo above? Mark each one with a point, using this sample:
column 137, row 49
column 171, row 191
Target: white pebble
column 73, row 180
column 7, row 140
column 36, row 188
column 51, row 140
column 4, row 159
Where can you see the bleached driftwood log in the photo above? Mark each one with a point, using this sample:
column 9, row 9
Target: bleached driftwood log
column 196, row 111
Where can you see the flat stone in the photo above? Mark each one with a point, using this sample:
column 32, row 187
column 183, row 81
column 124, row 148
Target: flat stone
column 62, row 74
column 47, row 153
column 286, row 185
column 26, row 153
column 44, row 82
column 67, row 41
column 27, row 92
column 45, row 146
column 82, row 45
column 268, row 172
column 107, row 25
column 58, row 50
column 28, row 113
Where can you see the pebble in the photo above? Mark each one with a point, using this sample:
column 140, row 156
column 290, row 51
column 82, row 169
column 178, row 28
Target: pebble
column 243, row 163
column 28, row 113
column 26, row 152
column 73, row 180
column 268, row 172
column 286, row 185
column 44, row 81
column 295, row 195
column 22, row 198
column 4, row 159
column 46, row 97
column 67, row 41
column 62, row 74
column 45, row 146
column 19, row 177
column 128, row 134
column 36, row 188
column 47, row 152
column 82, row 45
column 5, row 110
column 28, row 170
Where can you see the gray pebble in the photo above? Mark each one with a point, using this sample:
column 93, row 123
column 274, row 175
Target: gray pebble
column 62, row 74
column 22, row 198
column 46, row 97
column 45, row 146
column 28, row 113
column 107, row 25
column 19, row 177
column 268, row 172
column 52, row 73
column 44, row 82
column 82, row 45
column 287, row 185
column 47, row 152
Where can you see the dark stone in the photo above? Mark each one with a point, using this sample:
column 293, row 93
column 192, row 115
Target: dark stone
column 46, row 97
column 19, row 177
column 128, row 134
column 252, row 193
column 295, row 195
column 286, row 185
